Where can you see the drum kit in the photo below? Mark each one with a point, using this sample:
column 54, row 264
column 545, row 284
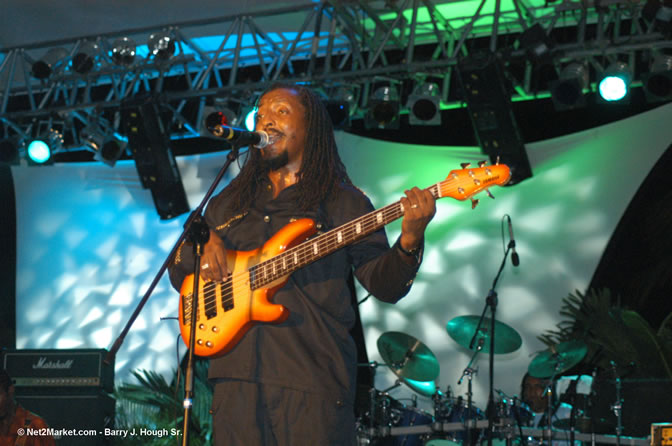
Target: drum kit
column 455, row 419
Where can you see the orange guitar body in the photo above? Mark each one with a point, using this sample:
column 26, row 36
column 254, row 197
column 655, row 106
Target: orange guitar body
column 236, row 305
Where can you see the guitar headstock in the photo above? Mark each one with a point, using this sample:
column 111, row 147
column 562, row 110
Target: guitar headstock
column 467, row 182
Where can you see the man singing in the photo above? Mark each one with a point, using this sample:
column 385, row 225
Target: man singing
column 293, row 383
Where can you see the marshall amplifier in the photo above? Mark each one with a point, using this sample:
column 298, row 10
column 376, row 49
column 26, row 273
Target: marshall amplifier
column 41, row 370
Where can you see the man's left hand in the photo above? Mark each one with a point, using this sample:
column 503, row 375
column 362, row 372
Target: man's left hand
column 419, row 209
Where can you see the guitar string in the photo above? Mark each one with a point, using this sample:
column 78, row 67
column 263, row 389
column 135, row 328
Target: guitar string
column 302, row 252
column 305, row 251
column 297, row 255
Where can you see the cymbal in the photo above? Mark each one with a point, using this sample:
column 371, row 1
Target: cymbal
column 462, row 329
column 424, row 388
column 407, row 357
column 557, row 359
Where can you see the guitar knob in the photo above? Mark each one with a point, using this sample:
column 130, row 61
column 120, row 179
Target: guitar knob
column 482, row 163
column 487, row 191
column 465, row 165
column 474, row 202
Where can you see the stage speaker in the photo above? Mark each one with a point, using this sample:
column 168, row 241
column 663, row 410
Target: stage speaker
column 643, row 401
column 75, row 413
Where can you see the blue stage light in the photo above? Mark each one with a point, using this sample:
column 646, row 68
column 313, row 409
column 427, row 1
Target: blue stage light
column 39, row 151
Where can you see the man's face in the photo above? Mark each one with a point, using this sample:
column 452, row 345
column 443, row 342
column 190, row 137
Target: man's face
column 534, row 394
column 6, row 398
column 282, row 116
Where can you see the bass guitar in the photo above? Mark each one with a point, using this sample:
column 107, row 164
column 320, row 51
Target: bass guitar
column 227, row 309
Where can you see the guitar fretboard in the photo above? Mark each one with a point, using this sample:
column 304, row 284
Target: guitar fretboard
column 324, row 244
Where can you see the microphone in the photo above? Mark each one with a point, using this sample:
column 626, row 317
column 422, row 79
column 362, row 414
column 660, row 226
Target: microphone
column 514, row 255
column 243, row 137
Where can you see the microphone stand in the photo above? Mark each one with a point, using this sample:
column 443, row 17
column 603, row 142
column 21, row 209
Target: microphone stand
column 491, row 302
column 198, row 233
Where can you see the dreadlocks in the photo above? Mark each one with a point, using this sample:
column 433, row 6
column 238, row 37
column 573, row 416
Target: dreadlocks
column 322, row 170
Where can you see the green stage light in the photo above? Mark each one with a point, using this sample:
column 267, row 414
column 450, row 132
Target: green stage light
column 615, row 83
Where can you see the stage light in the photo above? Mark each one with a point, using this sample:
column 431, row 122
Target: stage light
column 250, row 120
column 383, row 110
column 537, row 44
column 161, row 46
column 339, row 112
column 123, row 51
column 84, row 59
column 659, row 15
column 41, row 149
column 214, row 116
column 615, row 82
column 106, row 146
column 567, row 91
column 658, row 81
column 424, row 105
column 43, row 68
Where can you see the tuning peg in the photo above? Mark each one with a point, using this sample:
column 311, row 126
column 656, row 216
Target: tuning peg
column 465, row 165
column 474, row 202
column 482, row 163
column 497, row 161
column 487, row 191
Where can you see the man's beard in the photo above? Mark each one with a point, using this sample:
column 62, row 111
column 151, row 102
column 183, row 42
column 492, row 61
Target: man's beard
column 276, row 162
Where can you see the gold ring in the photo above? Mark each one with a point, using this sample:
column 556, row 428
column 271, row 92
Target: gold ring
column 413, row 206
column 206, row 266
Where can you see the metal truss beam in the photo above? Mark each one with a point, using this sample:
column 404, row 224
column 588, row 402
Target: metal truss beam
column 328, row 44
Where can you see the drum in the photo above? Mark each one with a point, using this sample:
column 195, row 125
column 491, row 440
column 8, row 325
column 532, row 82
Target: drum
column 456, row 410
column 515, row 411
column 406, row 417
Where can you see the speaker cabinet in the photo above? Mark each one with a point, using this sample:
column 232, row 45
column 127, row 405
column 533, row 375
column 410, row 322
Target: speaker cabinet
column 73, row 412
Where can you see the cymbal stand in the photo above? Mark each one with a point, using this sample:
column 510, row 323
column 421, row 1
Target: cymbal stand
column 549, row 392
column 617, row 407
column 373, row 399
column 469, row 372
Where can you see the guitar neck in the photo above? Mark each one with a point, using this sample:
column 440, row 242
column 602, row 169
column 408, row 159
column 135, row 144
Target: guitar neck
column 311, row 250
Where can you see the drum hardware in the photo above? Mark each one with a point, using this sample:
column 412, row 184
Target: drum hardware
column 407, row 357
column 617, row 407
column 552, row 362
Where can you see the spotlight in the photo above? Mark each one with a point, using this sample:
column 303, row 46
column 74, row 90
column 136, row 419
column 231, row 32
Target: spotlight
column 567, row 91
column 214, row 116
column 537, row 43
column 40, row 150
column 84, row 60
column 43, row 68
column 615, row 82
column 384, row 108
column 106, row 146
column 658, row 81
column 123, row 51
column 424, row 105
column 659, row 14
column 9, row 151
column 250, row 117
column 339, row 112
column 161, row 46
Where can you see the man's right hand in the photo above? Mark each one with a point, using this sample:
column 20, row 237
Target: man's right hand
column 213, row 260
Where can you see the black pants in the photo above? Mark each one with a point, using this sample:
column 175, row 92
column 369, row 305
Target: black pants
column 251, row 414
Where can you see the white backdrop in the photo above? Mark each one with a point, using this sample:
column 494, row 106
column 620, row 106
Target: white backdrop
column 89, row 243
